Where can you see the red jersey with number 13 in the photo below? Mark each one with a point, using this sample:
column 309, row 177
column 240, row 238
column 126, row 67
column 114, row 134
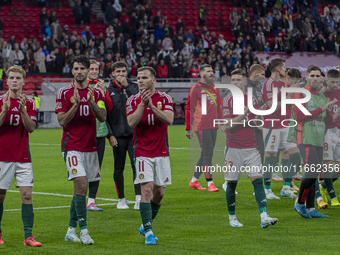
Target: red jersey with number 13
column 150, row 136
column 13, row 134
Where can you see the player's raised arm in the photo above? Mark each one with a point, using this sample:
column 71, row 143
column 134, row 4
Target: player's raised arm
column 26, row 119
column 134, row 118
column 166, row 116
column 6, row 105
column 98, row 109
column 65, row 117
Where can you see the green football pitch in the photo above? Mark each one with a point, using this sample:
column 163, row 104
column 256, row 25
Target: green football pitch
column 189, row 221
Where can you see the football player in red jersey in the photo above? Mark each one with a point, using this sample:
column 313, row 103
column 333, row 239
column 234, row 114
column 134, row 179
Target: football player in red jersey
column 149, row 113
column 17, row 119
column 78, row 106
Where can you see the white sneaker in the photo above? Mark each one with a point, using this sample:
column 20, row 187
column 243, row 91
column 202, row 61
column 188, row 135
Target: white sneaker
column 270, row 194
column 86, row 239
column 72, row 237
column 137, row 203
column 122, row 204
column 277, row 177
column 224, row 187
column 235, row 223
column 288, row 193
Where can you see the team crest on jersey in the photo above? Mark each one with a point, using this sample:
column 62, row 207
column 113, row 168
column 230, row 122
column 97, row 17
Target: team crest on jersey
column 141, row 176
column 74, row 171
column 129, row 109
column 72, row 99
column 226, row 112
column 328, row 99
column 326, row 155
column 272, row 147
column 159, row 105
column 58, row 106
column 270, row 95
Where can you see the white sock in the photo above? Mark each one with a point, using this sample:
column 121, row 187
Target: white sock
column 148, row 233
column 318, row 199
column 263, row 215
column 210, row 182
column 69, row 230
column 90, row 201
column 285, row 187
column 232, row 217
column 138, row 197
column 194, row 179
column 310, row 209
column 84, row 231
column 121, row 200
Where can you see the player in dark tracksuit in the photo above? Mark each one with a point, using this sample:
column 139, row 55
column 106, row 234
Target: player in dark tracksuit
column 120, row 134
column 203, row 123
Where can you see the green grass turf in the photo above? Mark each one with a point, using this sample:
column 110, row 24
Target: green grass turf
column 189, row 221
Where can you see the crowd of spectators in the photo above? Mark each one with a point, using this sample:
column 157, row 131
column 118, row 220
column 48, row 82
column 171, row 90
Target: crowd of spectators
column 135, row 36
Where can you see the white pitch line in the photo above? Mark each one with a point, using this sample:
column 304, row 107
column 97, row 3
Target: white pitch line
column 52, row 207
column 63, row 195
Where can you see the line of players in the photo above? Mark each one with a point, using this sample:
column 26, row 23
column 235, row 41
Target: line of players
column 315, row 139
column 78, row 106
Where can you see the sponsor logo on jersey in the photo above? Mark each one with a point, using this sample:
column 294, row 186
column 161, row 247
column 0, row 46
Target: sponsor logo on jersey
column 83, row 100
column 129, row 109
column 226, row 112
column 272, row 147
column 15, row 109
column 169, row 107
column 58, row 106
column 326, row 155
column 141, row 176
column 167, row 179
column 74, row 171
column 72, row 99
column 159, row 105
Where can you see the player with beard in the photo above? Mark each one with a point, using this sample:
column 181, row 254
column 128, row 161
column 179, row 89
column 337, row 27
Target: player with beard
column 331, row 149
column 203, row 124
column 275, row 135
column 309, row 136
column 101, row 132
column 77, row 107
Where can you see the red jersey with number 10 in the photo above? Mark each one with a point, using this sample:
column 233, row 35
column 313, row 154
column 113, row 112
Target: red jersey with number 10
column 150, row 136
column 80, row 133
column 13, row 134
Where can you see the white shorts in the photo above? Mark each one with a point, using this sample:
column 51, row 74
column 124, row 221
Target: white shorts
column 276, row 139
column 331, row 148
column 238, row 161
column 22, row 172
column 155, row 170
column 82, row 164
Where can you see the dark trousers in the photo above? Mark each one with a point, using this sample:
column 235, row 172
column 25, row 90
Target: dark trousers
column 260, row 143
column 207, row 140
column 93, row 186
column 312, row 157
column 125, row 144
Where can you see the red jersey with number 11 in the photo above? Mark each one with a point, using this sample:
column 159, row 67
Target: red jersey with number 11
column 150, row 136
